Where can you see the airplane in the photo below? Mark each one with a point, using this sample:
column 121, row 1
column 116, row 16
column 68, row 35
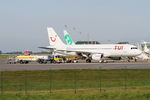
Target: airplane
column 69, row 40
column 92, row 51
column 145, row 51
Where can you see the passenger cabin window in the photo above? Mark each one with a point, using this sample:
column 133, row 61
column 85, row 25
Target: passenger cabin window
column 134, row 48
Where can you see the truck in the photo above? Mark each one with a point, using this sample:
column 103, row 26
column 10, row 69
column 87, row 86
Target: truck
column 25, row 59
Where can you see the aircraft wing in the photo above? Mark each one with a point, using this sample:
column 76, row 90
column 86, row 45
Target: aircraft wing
column 80, row 52
column 87, row 53
column 47, row 47
column 51, row 48
column 147, row 53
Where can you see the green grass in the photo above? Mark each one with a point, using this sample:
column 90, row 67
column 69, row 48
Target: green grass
column 123, row 95
column 4, row 57
column 80, row 79
column 115, row 84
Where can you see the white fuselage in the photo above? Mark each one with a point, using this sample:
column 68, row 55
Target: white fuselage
column 108, row 50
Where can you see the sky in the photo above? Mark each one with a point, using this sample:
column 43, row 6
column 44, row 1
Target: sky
column 23, row 23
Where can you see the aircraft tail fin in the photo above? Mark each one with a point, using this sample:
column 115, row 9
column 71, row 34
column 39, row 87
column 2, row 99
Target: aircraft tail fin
column 68, row 39
column 54, row 39
column 146, row 48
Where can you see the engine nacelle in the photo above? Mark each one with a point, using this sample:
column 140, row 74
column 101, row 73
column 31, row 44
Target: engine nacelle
column 97, row 56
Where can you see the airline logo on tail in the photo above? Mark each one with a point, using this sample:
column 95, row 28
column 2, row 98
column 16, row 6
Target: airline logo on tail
column 53, row 39
column 68, row 39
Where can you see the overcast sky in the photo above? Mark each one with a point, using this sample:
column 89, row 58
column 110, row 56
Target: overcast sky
column 23, row 23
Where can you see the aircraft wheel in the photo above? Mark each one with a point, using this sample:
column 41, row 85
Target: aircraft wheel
column 40, row 61
column 26, row 62
column 88, row 60
column 21, row 62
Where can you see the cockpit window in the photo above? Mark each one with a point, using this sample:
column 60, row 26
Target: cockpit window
column 134, row 48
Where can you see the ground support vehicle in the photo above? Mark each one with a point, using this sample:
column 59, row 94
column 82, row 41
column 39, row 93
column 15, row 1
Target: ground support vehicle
column 72, row 59
column 25, row 59
column 31, row 58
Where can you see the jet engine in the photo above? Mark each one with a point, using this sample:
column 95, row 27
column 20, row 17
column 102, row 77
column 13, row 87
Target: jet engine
column 97, row 56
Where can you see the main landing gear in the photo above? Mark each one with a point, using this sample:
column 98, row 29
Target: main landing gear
column 88, row 60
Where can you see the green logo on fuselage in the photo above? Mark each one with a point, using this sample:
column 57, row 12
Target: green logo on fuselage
column 68, row 39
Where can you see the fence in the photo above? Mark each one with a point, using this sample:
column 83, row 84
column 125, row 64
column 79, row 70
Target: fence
column 73, row 81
